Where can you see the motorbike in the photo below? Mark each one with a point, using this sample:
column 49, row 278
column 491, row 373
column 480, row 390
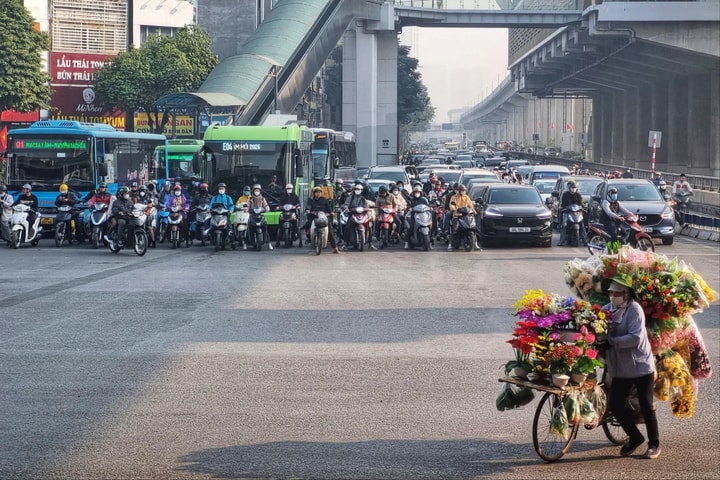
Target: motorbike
column 176, row 221
column 20, row 229
column 573, row 224
column 163, row 227
column 319, row 232
column 359, row 227
column 386, row 228
column 629, row 232
column 200, row 224
column 419, row 236
column 219, row 233
column 64, row 224
column 98, row 223
column 288, row 225
column 464, row 229
column 135, row 235
column 242, row 215
column 257, row 228
column 439, row 220
column 682, row 206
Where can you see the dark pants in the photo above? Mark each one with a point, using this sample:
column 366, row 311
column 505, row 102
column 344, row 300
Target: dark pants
column 611, row 227
column 619, row 391
column 121, row 223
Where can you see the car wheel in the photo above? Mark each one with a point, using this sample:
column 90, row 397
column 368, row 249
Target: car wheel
column 668, row 240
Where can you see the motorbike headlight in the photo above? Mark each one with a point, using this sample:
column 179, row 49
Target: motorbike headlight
column 667, row 213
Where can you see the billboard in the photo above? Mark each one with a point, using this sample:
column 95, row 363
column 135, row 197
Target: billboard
column 184, row 125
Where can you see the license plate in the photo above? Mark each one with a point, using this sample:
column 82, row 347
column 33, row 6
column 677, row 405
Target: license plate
column 46, row 220
column 647, row 229
column 519, row 229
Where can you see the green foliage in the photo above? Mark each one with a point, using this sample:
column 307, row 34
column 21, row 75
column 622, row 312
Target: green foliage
column 24, row 83
column 137, row 78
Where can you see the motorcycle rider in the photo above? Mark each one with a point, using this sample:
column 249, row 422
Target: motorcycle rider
column 662, row 188
column 571, row 196
column 6, row 202
column 289, row 197
column 340, row 193
column 386, row 199
column 29, row 199
column 355, row 199
column 257, row 200
column 417, row 198
column 134, row 190
column 144, row 198
column 244, row 197
column 67, row 198
column 613, row 213
column 179, row 198
column 681, row 187
column 121, row 207
column 318, row 203
column 657, row 178
column 166, row 191
column 460, row 200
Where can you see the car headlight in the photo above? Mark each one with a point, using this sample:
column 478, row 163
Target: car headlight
column 545, row 214
column 667, row 213
column 491, row 212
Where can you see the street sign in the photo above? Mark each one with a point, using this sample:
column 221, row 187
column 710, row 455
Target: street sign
column 654, row 139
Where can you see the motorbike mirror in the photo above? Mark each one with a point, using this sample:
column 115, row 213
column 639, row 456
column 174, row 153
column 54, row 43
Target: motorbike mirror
column 595, row 197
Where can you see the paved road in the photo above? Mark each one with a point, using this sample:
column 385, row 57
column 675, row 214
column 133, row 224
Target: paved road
column 191, row 364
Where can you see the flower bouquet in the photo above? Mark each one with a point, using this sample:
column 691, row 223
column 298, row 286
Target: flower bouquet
column 587, row 361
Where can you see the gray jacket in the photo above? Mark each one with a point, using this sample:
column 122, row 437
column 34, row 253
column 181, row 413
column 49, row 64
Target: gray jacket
column 629, row 355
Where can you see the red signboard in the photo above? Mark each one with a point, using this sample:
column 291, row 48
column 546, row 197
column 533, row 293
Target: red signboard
column 18, row 117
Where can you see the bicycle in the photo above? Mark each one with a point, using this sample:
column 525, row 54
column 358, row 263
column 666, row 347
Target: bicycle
column 549, row 445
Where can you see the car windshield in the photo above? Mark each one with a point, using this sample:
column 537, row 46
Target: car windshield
column 587, row 186
column 449, row 176
column 638, row 193
column 545, row 186
column 514, row 196
column 390, row 175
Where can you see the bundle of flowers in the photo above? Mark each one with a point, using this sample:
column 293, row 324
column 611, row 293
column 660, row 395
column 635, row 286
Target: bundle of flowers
column 547, row 311
column 673, row 383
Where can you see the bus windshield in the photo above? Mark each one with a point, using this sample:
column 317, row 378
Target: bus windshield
column 48, row 162
column 241, row 166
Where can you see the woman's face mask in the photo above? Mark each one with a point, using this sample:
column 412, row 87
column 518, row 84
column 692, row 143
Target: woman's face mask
column 126, row 196
column 177, row 194
column 613, row 197
column 288, row 190
column 617, row 302
column 256, row 192
column 221, row 191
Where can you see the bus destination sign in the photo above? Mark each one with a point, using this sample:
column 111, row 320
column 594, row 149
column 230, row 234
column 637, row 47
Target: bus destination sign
column 24, row 144
column 244, row 146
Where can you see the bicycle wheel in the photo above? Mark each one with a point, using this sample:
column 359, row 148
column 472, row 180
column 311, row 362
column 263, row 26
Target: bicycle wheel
column 548, row 445
column 613, row 430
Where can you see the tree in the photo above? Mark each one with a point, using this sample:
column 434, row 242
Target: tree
column 137, row 78
column 24, row 83
column 414, row 110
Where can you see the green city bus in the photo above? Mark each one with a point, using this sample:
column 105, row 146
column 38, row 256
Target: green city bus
column 184, row 159
column 247, row 155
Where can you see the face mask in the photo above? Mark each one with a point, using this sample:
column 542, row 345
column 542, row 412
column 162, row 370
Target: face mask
column 617, row 302
column 401, row 188
column 573, row 190
column 142, row 194
column 246, row 193
column 126, row 196
column 177, row 194
column 221, row 191
column 358, row 191
column 613, row 197
column 289, row 190
column 256, row 193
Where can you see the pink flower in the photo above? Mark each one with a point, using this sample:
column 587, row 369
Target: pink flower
column 578, row 351
column 583, row 329
column 590, row 337
column 577, row 337
column 591, row 354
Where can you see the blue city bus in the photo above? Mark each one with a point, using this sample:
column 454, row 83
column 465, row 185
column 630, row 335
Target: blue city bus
column 49, row 153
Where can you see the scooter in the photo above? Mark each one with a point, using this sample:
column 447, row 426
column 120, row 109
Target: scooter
column 682, row 206
column 20, row 230
column 574, row 217
column 163, row 227
column 64, row 224
column 422, row 223
column 219, row 233
column 200, row 224
column 359, row 225
column 386, row 226
column 319, row 232
column 288, row 225
column 176, row 221
column 135, row 235
column 464, row 229
column 98, row 223
column 629, row 232
column 439, row 230
column 240, row 223
column 257, row 228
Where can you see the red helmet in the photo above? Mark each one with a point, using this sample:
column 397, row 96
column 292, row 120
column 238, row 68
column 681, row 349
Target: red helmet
column 203, row 186
column 178, row 187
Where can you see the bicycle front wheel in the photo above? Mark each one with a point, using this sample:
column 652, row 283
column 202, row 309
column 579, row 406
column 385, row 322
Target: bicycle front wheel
column 550, row 446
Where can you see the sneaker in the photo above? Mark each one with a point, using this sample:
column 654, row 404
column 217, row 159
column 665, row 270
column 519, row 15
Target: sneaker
column 450, row 249
column 244, row 247
column 652, row 452
column 407, row 245
column 270, row 246
column 630, row 447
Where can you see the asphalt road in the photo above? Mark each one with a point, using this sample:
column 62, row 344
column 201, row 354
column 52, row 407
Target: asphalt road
column 192, row 364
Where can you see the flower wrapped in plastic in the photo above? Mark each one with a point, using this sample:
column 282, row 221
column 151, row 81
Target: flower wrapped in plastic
column 673, row 383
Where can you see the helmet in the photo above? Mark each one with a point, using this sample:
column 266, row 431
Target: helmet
column 662, row 184
column 612, row 190
column 383, row 189
column 134, row 185
column 221, row 185
column 339, row 181
column 123, row 189
column 27, row 186
column 417, row 188
column 102, row 185
column 3, row 188
column 289, row 185
column 178, row 187
column 63, row 188
column 151, row 186
column 257, row 187
column 316, row 189
column 571, row 183
column 203, row 186
column 143, row 188
column 326, row 177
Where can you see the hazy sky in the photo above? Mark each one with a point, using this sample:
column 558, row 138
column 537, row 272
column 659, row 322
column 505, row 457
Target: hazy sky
column 459, row 66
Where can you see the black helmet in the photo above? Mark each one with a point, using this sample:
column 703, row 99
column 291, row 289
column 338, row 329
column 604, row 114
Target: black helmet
column 143, row 188
column 3, row 188
column 383, row 189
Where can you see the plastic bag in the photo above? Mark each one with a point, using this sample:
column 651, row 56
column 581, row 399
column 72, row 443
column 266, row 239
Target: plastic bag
column 559, row 422
column 513, row 396
column 699, row 359
column 598, row 399
column 572, row 407
column 588, row 415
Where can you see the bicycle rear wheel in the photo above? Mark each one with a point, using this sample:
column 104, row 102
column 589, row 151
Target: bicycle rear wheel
column 613, row 431
column 548, row 445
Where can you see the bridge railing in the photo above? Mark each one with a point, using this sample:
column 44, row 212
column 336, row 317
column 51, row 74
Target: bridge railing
column 492, row 4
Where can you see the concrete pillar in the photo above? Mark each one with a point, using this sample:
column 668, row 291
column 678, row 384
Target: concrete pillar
column 630, row 127
column 714, row 143
column 659, row 123
column 617, row 153
column 699, row 119
column 386, row 115
column 677, row 139
column 644, row 122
